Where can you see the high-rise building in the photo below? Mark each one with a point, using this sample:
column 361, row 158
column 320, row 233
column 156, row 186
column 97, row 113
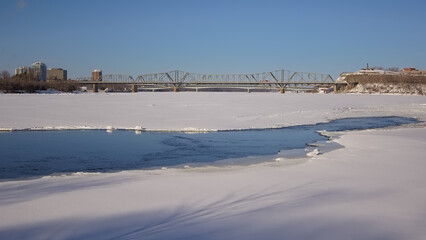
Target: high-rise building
column 39, row 69
column 96, row 75
column 23, row 70
column 58, row 74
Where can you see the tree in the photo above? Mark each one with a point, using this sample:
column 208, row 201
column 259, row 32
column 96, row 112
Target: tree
column 4, row 74
column 393, row 69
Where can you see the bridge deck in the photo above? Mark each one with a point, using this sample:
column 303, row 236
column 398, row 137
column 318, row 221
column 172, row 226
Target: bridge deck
column 208, row 83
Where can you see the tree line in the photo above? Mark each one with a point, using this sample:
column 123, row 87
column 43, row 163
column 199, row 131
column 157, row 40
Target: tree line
column 27, row 83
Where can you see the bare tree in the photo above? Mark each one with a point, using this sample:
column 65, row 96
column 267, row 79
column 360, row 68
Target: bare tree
column 4, row 74
column 393, row 69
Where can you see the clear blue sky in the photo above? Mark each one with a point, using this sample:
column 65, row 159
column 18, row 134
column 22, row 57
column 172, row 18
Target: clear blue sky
column 134, row 37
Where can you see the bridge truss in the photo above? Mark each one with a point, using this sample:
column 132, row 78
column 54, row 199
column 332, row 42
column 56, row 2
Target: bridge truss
column 279, row 78
column 180, row 79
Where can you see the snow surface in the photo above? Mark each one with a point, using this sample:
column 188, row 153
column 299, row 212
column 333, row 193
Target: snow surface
column 189, row 111
column 371, row 189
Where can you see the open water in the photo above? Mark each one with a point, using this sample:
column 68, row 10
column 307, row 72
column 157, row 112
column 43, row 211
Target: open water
column 25, row 154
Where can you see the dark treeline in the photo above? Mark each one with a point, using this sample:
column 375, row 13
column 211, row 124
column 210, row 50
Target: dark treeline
column 27, row 83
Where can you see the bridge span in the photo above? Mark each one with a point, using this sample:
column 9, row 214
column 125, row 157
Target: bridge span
column 279, row 79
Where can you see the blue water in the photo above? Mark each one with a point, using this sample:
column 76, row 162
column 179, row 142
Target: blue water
column 38, row 153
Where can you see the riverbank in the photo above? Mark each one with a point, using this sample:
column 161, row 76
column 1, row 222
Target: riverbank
column 373, row 188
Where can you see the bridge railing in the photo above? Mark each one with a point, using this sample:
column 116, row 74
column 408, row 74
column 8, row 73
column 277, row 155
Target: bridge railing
column 116, row 78
column 83, row 79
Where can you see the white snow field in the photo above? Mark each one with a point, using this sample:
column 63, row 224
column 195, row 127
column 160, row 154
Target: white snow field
column 193, row 111
column 373, row 188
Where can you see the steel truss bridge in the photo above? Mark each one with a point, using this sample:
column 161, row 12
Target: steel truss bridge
column 279, row 79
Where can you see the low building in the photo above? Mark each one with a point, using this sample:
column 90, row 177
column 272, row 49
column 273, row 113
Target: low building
column 413, row 71
column 97, row 75
column 56, row 74
column 409, row 69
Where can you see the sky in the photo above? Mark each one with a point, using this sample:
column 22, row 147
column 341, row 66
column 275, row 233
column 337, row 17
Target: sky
column 221, row 36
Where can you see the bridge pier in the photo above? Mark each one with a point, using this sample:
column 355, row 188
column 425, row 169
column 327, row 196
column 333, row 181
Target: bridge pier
column 134, row 88
column 248, row 90
column 175, row 89
column 95, row 87
column 282, row 90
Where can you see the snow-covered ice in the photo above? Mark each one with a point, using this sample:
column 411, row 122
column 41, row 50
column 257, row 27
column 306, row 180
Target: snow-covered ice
column 373, row 188
column 189, row 111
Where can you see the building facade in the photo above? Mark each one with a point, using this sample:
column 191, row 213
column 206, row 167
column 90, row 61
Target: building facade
column 413, row 71
column 56, row 74
column 23, row 70
column 96, row 75
column 39, row 69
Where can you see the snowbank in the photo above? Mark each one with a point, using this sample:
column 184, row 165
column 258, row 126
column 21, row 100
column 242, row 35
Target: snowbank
column 396, row 88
